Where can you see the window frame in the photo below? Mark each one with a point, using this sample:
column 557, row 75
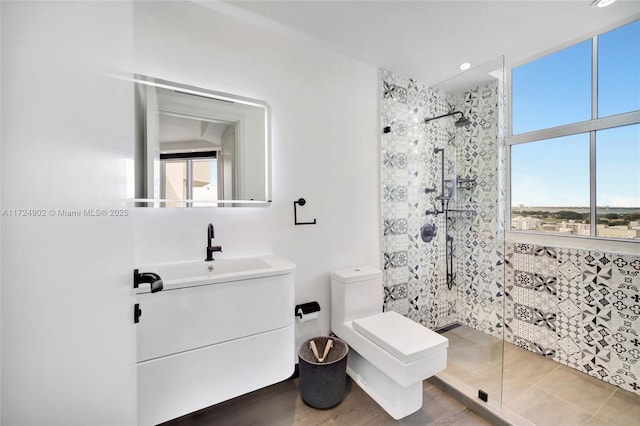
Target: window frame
column 588, row 126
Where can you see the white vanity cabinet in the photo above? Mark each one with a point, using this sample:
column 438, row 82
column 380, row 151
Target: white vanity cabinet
column 230, row 333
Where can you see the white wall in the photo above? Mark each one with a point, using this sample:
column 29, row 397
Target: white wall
column 325, row 146
column 68, row 342
column 68, row 339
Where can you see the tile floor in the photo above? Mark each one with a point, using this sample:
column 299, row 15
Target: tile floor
column 536, row 390
column 281, row 405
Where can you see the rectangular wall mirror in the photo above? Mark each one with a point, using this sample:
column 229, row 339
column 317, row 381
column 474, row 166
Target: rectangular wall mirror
column 197, row 147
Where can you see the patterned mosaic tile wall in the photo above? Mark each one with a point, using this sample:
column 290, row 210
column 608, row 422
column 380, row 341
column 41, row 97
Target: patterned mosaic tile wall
column 479, row 236
column 414, row 271
column 579, row 307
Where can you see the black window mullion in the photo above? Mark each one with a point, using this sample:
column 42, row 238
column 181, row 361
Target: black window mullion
column 189, row 155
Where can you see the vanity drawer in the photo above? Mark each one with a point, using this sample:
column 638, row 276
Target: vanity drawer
column 174, row 321
column 176, row 385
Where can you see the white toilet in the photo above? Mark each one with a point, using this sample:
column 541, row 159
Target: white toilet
column 390, row 355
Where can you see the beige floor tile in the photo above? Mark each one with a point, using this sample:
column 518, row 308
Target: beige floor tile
column 595, row 421
column 577, row 388
column 544, row 409
column 513, row 387
column 539, row 389
column 621, row 409
column 456, row 340
column 479, row 367
column 437, row 409
column 526, row 365
column 459, row 371
column 474, row 336
column 487, row 377
column 474, row 363
column 476, row 355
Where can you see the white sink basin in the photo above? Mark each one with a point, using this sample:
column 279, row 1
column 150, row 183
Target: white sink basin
column 200, row 272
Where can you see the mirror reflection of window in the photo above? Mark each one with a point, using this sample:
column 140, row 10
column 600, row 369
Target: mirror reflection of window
column 190, row 176
column 174, row 181
column 205, row 180
column 199, row 143
column 189, row 151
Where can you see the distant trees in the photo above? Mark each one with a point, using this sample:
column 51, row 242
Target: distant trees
column 632, row 216
column 615, row 219
column 569, row 215
column 610, row 215
column 610, row 219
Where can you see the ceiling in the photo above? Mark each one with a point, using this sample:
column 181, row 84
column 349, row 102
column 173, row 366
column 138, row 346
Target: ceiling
column 181, row 134
column 429, row 39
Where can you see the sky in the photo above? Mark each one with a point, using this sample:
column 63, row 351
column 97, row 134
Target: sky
column 556, row 90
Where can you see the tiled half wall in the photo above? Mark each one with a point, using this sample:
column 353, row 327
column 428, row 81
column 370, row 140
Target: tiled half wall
column 579, row 307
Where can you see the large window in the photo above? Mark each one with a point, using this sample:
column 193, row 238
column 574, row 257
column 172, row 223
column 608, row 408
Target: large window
column 575, row 143
column 546, row 94
column 619, row 70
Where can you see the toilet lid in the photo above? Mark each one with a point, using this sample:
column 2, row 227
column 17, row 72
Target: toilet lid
column 403, row 338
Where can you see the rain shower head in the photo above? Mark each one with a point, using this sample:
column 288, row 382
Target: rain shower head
column 462, row 121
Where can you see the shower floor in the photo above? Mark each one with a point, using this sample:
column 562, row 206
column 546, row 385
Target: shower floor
column 536, row 390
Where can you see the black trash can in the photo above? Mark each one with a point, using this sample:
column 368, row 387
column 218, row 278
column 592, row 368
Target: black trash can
column 322, row 383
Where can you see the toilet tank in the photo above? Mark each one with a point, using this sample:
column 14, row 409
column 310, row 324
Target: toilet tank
column 355, row 293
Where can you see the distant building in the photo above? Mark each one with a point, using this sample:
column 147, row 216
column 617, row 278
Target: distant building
column 573, row 228
column 618, row 231
column 521, row 223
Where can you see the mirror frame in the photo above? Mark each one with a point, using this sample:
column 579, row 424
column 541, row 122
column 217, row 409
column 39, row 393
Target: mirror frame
column 141, row 137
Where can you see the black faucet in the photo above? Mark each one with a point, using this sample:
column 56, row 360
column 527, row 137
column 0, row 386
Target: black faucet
column 210, row 248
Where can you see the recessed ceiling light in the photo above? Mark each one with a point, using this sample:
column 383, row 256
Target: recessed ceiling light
column 465, row 66
column 601, row 3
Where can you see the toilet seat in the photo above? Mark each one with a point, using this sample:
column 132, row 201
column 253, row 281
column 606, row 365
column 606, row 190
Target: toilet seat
column 400, row 336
